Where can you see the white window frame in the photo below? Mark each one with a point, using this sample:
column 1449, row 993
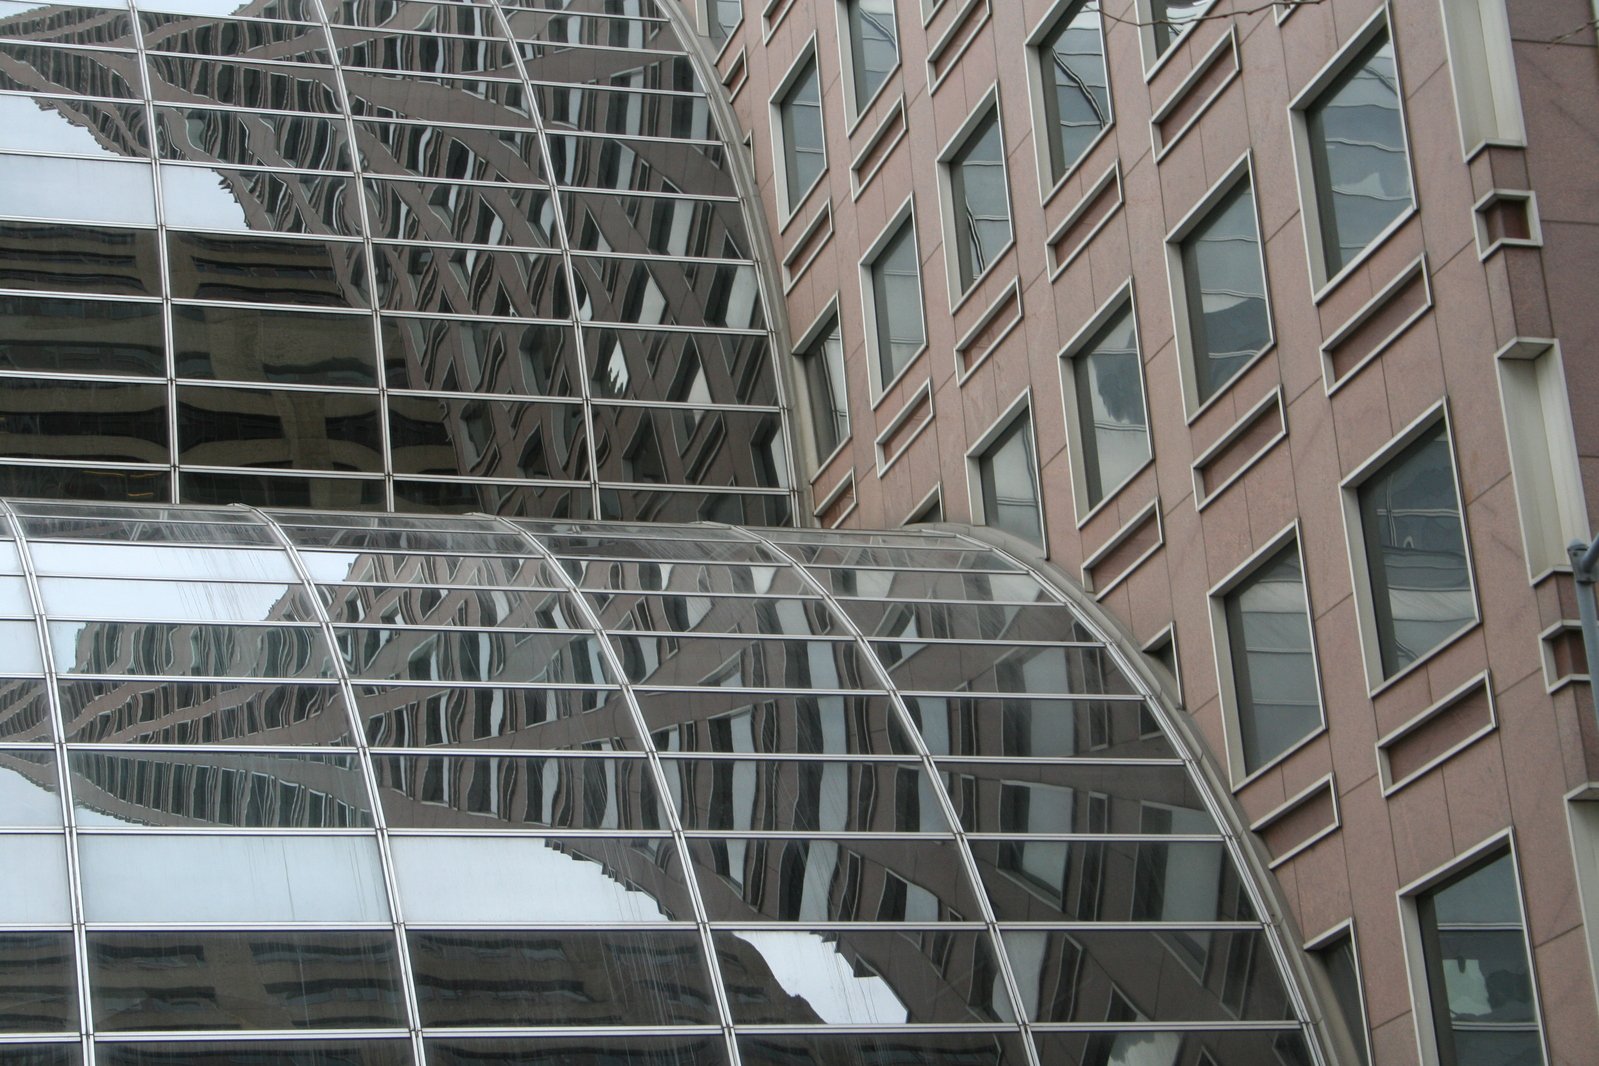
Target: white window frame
column 788, row 202
column 1243, row 170
column 1123, row 298
column 855, row 107
column 1048, row 184
column 1359, row 565
column 1495, row 60
column 1153, row 61
column 1021, row 407
column 1321, row 282
column 1544, row 466
column 1415, row 955
column 1222, row 646
column 987, row 106
column 905, row 214
column 829, row 315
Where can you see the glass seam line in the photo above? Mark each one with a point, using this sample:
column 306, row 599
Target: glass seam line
column 963, row 848
column 368, row 776
column 1253, row 875
column 58, row 744
column 369, row 260
column 665, row 799
column 563, row 246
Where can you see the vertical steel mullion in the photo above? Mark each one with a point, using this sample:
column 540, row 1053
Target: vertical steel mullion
column 563, row 246
column 658, row 775
column 924, row 754
column 63, row 778
column 1253, row 875
column 368, row 776
column 370, row 259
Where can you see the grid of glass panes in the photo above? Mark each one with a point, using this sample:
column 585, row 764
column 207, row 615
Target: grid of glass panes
column 377, row 254
column 467, row 787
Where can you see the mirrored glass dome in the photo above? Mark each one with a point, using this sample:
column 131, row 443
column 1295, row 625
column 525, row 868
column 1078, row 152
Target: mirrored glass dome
column 300, row 787
column 377, row 254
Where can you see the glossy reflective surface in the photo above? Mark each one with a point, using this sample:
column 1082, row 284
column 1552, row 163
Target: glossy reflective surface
column 579, row 792
column 277, row 171
column 1225, row 283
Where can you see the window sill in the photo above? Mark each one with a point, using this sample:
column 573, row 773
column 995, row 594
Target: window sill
column 1231, row 383
column 958, row 300
column 1324, row 287
column 1239, row 784
column 1448, row 642
column 1087, row 516
column 797, row 206
column 853, row 123
column 899, row 375
column 1077, row 165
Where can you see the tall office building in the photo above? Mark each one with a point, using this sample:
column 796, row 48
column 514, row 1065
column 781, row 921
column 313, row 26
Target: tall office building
column 299, row 766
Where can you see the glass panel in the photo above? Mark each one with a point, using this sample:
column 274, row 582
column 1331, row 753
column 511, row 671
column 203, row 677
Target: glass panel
column 1358, row 154
column 74, row 71
column 80, row 336
column 259, row 200
column 470, row 281
column 504, row 656
column 38, row 986
column 259, row 1053
column 265, row 270
column 223, row 136
column 1343, row 973
column 207, row 601
column 484, row 101
column 1040, row 728
column 953, row 667
column 1009, row 474
column 572, row 63
column 1082, row 798
column 289, row 347
column 1226, row 291
column 1171, row 19
column 33, row 879
column 176, row 712
column 72, row 127
column 454, row 568
column 583, row 880
column 244, row 980
column 963, row 621
column 1076, row 91
column 1416, row 551
column 1112, row 426
column 698, row 1050
column 731, row 663
column 897, row 302
column 813, row 795
column 460, row 355
column 77, row 23
column 189, row 650
column 626, row 164
column 193, row 790
column 426, row 717
column 873, row 46
column 432, row 150
column 909, row 584
column 861, row 978
column 656, row 225
column 83, row 420
column 486, row 438
column 255, row 86
column 51, row 257
column 269, row 490
column 562, row 978
column 633, row 291
column 850, row 879
column 1157, row 1048
column 868, row 1049
column 981, row 200
column 261, row 427
column 142, row 877
column 482, row 792
column 19, row 648
column 24, row 710
column 823, row 365
column 1274, row 666
column 412, row 605
column 804, row 153
column 708, row 614
column 235, row 37
column 30, row 794
column 469, row 214
column 718, row 720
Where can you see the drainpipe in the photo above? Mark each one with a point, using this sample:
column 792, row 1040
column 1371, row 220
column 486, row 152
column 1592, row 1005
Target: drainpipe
column 1584, row 563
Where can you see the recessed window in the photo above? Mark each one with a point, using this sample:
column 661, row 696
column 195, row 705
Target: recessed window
column 979, row 199
column 1543, row 452
column 873, row 47
column 1339, row 963
column 1008, row 475
column 1224, row 290
column 1483, row 71
column 1112, row 430
column 894, row 276
column 722, row 18
column 823, row 364
column 1167, row 20
column 1075, row 90
column 1359, row 164
column 1415, row 547
column 1275, row 696
column 1477, row 970
column 800, row 121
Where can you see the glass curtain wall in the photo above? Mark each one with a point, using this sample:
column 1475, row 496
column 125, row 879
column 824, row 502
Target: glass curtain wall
column 392, row 255
column 386, row 790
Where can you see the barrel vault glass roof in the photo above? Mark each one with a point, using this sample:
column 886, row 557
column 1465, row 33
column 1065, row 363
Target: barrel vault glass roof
column 312, row 788
column 377, row 254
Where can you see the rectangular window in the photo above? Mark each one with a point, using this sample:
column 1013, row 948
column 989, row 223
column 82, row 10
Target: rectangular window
column 1477, row 968
column 894, row 278
column 823, row 364
column 799, row 122
column 1222, row 278
column 1354, row 136
column 873, row 48
column 1007, row 473
column 1111, row 429
column 1276, row 696
column 979, row 200
column 1074, row 88
column 1415, row 547
column 1342, row 967
column 1483, row 71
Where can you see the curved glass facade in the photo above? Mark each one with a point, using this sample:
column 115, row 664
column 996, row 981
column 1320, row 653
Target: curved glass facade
column 324, row 788
column 377, row 254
